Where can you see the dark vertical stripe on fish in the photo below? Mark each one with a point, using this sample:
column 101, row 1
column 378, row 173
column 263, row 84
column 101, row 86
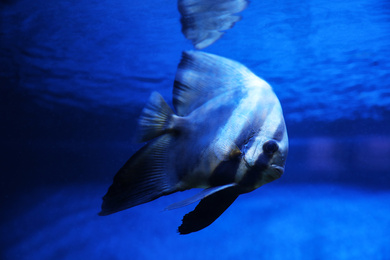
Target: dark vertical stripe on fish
column 254, row 173
column 225, row 172
column 279, row 133
column 245, row 135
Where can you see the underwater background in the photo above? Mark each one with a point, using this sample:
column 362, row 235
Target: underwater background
column 75, row 75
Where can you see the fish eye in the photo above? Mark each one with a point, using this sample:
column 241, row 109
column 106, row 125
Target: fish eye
column 270, row 147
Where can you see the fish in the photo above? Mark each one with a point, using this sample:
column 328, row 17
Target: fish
column 205, row 21
column 226, row 135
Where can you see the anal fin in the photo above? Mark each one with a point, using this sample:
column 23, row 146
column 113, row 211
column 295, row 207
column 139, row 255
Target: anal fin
column 208, row 210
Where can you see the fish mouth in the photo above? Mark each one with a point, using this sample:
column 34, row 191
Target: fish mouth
column 279, row 170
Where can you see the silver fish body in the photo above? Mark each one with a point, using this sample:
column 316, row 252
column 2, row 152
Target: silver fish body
column 228, row 136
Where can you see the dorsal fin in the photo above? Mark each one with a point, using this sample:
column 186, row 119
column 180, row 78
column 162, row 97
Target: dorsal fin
column 201, row 76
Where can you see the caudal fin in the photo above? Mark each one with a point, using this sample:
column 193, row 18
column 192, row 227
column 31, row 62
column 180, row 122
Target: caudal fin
column 145, row 177
column 155, row 118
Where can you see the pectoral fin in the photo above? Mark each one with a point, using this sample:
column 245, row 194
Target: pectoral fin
column 208, row 210
column 226, row 150
column 201, row 195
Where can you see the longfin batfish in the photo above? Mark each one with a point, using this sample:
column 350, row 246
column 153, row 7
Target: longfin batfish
column 227, row 135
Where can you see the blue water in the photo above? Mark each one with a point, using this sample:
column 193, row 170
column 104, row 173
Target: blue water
column 74, row 76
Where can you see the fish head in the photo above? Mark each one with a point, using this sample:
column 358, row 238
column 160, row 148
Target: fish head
column 265, row 153
column 275, row 153
column 267, row 163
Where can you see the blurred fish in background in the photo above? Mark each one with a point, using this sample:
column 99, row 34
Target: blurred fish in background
column 204, row 22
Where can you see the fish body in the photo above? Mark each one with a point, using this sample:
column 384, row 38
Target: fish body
column 227, row 136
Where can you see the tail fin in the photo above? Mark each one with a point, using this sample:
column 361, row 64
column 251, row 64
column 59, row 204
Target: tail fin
column 155, row 118
column 145, row 177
